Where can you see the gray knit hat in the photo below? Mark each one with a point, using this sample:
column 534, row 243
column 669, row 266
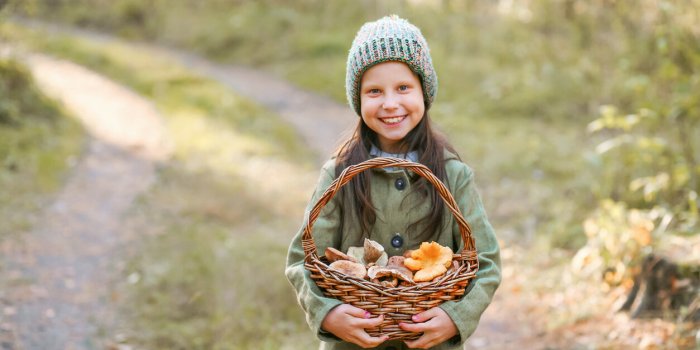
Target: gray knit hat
column 389, row 39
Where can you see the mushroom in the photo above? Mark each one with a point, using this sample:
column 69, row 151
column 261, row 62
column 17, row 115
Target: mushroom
column 382, row 259
column 390, row 283
column 400, row 272
column 430, row 261
column 349, row 268
column 358, row 253
column 333, row 254
column 371, row 254
column 373, row 251
column 395, row 261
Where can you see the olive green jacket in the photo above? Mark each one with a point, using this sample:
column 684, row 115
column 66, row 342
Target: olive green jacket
column 393, row 219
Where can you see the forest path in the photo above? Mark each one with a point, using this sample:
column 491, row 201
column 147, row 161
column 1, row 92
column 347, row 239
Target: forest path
column 60, row 272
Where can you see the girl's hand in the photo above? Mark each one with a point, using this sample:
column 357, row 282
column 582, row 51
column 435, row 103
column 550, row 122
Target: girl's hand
column 435, row 325
column 349, row 323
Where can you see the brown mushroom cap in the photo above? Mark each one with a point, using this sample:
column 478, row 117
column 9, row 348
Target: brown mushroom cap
column 349, row 268
column 373, row 251
column 396, row 261
column 399, row 272
column 333, row 254
column 371, row 254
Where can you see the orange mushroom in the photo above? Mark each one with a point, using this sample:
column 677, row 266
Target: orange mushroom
column 430, row 260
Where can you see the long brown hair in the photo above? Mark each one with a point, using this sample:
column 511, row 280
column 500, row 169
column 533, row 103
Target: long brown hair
column 356, row 195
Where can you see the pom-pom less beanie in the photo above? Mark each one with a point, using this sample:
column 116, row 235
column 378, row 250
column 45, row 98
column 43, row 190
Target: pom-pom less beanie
column 389, row 39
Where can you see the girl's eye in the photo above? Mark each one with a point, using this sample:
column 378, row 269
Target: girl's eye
column 373, row 91
column 403, row 87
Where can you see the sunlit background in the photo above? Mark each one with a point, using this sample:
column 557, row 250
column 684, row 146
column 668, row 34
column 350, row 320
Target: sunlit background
column 580, row 119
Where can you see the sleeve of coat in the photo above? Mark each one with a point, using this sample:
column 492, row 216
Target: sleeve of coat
column 466, row 312
column 310, row 298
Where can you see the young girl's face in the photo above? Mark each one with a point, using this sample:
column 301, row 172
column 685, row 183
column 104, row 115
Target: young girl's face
column 391, row 102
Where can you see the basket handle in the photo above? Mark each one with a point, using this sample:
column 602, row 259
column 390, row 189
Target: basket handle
column 384, row 162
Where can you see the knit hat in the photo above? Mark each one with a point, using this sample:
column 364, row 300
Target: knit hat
column 389, row 39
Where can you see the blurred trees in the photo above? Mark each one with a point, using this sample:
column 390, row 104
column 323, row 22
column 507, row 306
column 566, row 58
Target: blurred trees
column 647, row 155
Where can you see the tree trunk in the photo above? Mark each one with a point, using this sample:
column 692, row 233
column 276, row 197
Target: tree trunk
column 664, row 287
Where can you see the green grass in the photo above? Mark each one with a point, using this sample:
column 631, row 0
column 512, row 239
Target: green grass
column 207, row 271
column 38, row 143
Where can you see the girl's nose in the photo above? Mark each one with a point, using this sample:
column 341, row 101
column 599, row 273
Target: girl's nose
column 390, row 102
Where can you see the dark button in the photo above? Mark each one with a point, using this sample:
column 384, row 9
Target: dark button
column 400, row 184
column 397, row 241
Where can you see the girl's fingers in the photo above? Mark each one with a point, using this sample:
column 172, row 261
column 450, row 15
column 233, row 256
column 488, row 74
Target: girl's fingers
column 412, row 327
column 365, row 340
column 426, row 315
column 371, row 322
column 355, row 311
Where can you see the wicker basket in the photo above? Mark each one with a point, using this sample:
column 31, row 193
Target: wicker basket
column 399, row 303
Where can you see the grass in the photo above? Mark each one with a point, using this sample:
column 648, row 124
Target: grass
column 38, row 144
column 207, row 271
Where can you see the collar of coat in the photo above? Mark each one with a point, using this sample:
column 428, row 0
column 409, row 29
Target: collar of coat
column 412, row 156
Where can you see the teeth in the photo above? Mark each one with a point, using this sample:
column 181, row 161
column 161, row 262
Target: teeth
column 393, row 120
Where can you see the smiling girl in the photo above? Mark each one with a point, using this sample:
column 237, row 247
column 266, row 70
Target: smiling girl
column 391, row 84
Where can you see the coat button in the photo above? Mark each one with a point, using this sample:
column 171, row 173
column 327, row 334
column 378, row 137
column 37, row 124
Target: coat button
column 400, row 184
column 397, row 241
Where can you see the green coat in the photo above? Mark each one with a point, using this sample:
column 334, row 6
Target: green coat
column 387, row 198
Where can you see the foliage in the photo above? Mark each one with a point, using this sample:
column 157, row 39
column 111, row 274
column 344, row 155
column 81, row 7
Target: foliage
column 36, row 144
column 648, row 160
column 618, row 238
column 19, row 97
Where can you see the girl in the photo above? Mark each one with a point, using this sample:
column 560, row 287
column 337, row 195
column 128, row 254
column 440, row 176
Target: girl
column 390, row 84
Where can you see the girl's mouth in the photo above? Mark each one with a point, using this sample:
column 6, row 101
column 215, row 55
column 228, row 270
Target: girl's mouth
column 393, row 120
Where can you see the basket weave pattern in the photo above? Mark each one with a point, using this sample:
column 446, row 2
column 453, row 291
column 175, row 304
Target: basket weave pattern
column 399, row 303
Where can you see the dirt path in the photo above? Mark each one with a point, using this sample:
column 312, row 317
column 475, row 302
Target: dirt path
column 319, row 120
column 62, row 269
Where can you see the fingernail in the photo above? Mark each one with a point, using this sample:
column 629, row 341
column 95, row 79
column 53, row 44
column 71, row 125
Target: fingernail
column 415, row 318
column 367, row 314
